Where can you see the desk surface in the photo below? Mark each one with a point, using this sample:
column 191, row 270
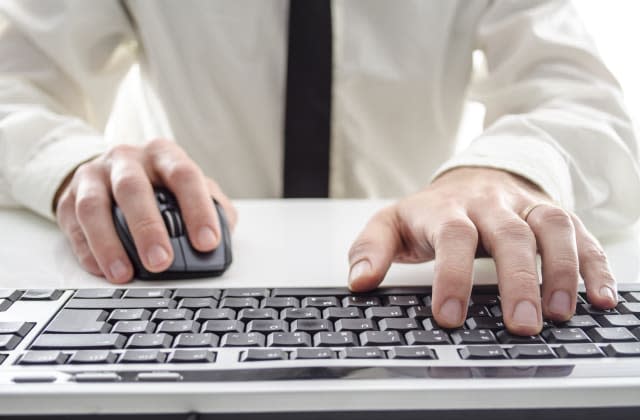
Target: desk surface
column 276, row 243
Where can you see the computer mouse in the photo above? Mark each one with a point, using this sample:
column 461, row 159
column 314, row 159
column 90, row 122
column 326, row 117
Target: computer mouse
column 188, row 262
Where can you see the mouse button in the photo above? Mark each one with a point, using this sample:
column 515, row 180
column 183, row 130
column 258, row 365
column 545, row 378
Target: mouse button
column 178, row 256
column 202, row 261
column 170, row 223
column 177, row 218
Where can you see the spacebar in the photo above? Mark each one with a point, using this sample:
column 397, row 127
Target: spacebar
column 79, row 341
column 149, row 303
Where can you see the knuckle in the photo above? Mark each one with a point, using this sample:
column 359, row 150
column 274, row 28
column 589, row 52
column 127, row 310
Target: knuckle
column 456, row 229
column 147, row 227
column 182, row 172
column 77, row 238
column 593, row 254
column 128, row 184
column 556, row 217
column 89, row 204
column 157, row 145
column 514, row 230
column 121, row 151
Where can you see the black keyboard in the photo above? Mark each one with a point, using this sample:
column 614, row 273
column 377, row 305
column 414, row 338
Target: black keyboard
column 200, row 334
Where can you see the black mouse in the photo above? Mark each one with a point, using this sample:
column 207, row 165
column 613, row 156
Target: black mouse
column 188, row 262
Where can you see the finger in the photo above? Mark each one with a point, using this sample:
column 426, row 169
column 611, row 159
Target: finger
column 594, row 268
column 93, row 210
column 373, row 251
column 455, row 241
column 512, row 245
column 133, row 192
column 555, row 236
column 81, row 249
column 229, row 209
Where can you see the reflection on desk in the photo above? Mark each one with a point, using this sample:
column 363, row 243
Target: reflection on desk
column 276, row 243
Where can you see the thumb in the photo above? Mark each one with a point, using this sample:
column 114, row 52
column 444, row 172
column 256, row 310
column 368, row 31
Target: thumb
column 373, row 251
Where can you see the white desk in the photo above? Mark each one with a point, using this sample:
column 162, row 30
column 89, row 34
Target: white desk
column 276, row 243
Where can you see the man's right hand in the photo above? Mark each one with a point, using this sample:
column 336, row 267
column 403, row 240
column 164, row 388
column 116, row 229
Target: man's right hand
column 128, row 174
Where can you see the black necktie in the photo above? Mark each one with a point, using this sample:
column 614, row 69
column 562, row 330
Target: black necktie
column 307, row 130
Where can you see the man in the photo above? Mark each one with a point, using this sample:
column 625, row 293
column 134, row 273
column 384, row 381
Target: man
column 558, row 149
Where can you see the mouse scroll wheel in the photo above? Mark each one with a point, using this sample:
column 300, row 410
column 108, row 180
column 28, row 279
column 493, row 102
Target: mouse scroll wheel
column 173, row 223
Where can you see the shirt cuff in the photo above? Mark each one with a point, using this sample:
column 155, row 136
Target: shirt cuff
column 526, row 156
column 37, row 183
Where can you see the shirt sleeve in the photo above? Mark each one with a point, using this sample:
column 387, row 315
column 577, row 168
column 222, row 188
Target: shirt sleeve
column 555, row 114
column 62, row 62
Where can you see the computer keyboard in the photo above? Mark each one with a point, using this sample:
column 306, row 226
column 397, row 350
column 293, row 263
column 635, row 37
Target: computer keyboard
column 199, row 335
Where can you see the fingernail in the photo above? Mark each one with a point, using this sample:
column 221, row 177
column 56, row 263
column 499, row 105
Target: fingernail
column 118, row 270
column 206, row 237
column 560, row 303
column 360, row 269
column 157, row 256
column 451, row 311
column 606, row 292
column 525, row 314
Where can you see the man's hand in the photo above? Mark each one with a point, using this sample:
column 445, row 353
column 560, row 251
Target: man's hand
column 128, row 174
column 470, row 211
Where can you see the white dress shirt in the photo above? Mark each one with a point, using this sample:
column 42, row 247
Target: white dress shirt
column 402, row 73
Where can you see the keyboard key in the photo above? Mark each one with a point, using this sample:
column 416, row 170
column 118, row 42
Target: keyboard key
column 172, row 314
column 610, row 334
column 427, row 337
column 240, row 293
column 246, row 315
column 398, row 324
column 197, row 293
column 215, row 314
column 311, row 325
column 312, row 353
column 580, row 321
column 378, row 313
column 82, row 357
column 16, row 328
column 505, row 337
column 242, row 340
column 335, row 339
column 533, row 351
column 9, row 341
column 149, row 341
column 197, row 303
column 420, row 352
column 627, row 320
column 267, row 325
column 41, row 294
column 334, row 314
column 10, row 294
column 362, row 353
column 196, row 340
column 355, row 324
column 142, row 356
column 302, row 292
column 291, row 314
column 403, row 301
column 419, row 312
column 177, row 327
column 120, row 304
column 629, row 307
column 320, row 302
column 239, row 302
column 473, row 337
column 129, row 315
column 579, row 351
column 361, row 302
column 484, row 300
column 97, row 294
column 588, row 309
column 484, row 323
column 285, row 339
column 280, row 302
column 257, row 355
column 192, row 356
column 565, row 335
column 79, row 321
column 79, row 341
column 43, row 358
column 482, row 352
column 380, row 338
column 133, row 327
column 478, row 311
column 2, row 358
column 623, row 350
column 221, row 327
column 5, row 304
column 147, row 293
